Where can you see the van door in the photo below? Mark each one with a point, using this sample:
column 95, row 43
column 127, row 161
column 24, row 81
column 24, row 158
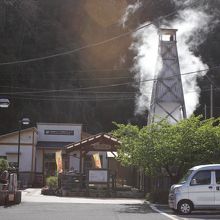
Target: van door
column 201, row 188
column 217, row 187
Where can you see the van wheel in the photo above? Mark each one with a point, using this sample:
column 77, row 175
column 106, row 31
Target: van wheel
column 185, row 207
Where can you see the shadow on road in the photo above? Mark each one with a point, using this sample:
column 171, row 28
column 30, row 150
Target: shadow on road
column 136, row 208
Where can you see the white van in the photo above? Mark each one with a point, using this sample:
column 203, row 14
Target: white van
column 198, row 189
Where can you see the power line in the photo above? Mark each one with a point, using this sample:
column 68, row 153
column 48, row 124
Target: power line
column 83, row 99
column 80, row 79
column 82, row 71
column 94, row 44
column 110, row 85
column 74, row 100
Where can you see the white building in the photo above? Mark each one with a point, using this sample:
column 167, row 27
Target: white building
column 37, row 149
column 53, row 137
column 9, row 151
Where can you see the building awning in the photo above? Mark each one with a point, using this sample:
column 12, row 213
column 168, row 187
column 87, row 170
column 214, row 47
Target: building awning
column 99, row 142
column 51, row 145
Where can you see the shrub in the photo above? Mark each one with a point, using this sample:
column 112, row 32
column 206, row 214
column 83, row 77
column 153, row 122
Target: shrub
column 52, row 182
column 3, row 165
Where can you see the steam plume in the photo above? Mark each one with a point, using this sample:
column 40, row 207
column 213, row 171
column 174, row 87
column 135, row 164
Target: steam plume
column 193, row 24
column 131, row 9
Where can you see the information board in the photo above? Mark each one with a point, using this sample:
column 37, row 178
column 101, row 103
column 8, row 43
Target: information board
column 98, row 176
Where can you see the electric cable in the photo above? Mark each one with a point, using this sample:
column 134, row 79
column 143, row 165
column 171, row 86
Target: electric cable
column 111, row 85
column 94, row 44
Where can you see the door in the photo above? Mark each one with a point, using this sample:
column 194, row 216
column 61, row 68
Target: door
column 49, row 164
column 201, row 188
column 217, row 187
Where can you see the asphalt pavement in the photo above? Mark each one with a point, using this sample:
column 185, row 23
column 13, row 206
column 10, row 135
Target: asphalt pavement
column 195, row 215
column 35, row 206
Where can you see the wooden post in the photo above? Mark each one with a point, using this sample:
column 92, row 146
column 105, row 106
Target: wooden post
column 80, row 169
column 80, row 162
column 108, row 188
column 43, row 169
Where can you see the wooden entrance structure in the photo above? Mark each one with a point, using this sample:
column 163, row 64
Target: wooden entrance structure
column 97, row 143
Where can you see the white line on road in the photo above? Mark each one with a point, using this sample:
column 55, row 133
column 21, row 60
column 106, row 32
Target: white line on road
column 162, row 213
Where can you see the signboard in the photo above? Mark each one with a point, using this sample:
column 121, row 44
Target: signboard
column 59, row 132
column 98, row 176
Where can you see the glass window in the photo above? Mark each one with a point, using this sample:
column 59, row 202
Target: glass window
column 217, row 176
column 185, row 177
column 201, row 178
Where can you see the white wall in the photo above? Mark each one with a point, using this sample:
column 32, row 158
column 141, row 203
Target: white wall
column 56, row 127
column 25, row 158
column 9, row 147
column 25, row 155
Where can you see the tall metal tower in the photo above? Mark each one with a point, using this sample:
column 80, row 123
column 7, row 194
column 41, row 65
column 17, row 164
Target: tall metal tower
column 167, row 100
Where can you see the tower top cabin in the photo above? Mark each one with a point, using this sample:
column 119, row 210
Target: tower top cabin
column 167, row 34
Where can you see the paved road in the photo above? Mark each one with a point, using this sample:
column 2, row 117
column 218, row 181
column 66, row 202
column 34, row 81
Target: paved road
column 196, row 215
column 38, row 207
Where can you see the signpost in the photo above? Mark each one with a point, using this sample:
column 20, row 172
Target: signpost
column 99, row 178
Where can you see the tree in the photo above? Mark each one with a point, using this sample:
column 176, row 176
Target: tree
column 170, row 148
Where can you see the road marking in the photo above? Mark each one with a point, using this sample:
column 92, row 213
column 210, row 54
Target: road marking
column 162, row 213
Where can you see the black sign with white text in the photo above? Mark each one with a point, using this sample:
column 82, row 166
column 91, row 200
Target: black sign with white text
column 59, row 132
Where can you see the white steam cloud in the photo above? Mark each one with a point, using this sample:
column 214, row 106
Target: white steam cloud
column 193, row 24
column 131, row 9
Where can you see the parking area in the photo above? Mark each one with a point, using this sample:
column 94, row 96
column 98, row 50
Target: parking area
column 196, row 215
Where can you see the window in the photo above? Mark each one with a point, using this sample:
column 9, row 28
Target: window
column 217, row 176
column 185, row 177
column 201, row 178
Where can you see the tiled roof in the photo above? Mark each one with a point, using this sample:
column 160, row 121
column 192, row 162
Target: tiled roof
column 93, row 139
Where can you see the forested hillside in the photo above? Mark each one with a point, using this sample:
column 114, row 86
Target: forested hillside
column 57, row 63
